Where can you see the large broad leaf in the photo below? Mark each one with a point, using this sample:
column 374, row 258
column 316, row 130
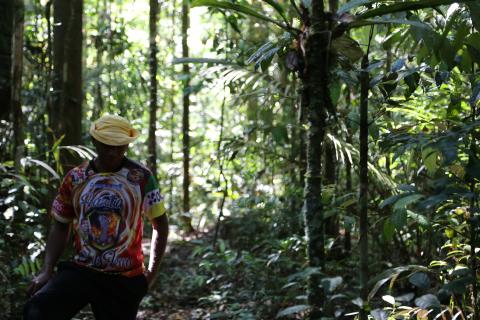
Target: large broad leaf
column 292, row 310
column 403, row 202
column 418, row 218
column 458, row 286
column 407, row 6
column 277, row 7
column 354, row 4
column 348, row 48
column 420, row 280
column 379, row 314
column 474, row 8
column 42, row 164
column 473, row 45
column 367, row 22
column 250, row 11
column 399, row 219
column 393, row 273
column 429, row 157
column 330, row 284
column 427, row 301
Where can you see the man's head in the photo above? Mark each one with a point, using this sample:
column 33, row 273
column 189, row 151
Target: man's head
column 111, row 135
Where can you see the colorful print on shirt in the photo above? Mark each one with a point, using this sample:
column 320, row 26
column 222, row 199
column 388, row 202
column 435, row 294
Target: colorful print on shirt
column 106, row 212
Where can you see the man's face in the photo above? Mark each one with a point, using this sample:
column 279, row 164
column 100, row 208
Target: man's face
column 110, row 156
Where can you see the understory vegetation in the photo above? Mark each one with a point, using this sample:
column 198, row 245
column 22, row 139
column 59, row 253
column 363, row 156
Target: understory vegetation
column 318, row 159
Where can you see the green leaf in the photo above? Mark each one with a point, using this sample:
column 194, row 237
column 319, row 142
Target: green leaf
column 402, row 203
column 43, row 165
column 429, row 156
column 412, row 81
column 366, row 22
column 292, row 310
column 458, row 286
column 379, row 314
column 473, row 45
column 353, row 4
column 388, row 230
column 393, row 273
column 474, row 8
column 250, row 11
column 420, row 280
column 389, row 299
column 399, row 219
column 419, row 218
column 427, row 301
column 277, row 7
column 335, row 89
column 407, row 6
column 330, row 284
column 347, row 47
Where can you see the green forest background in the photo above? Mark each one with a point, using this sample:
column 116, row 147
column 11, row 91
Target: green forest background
column 319, row 159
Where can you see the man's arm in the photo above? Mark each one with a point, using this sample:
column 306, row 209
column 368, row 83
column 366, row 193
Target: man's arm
column 57, row 239
column 158, row 245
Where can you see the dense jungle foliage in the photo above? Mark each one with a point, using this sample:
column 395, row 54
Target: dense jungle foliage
column 319, row 159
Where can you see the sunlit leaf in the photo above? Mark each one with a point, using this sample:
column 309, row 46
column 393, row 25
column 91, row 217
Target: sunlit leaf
column 292, row 310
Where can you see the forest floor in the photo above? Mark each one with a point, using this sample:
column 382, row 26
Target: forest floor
column 169, row 299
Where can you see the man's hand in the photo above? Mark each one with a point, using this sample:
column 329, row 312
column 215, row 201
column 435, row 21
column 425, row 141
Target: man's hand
column 38, row 282
column 56, row 242
column 150, row 278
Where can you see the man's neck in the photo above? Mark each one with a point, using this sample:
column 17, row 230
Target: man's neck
column 101, row 166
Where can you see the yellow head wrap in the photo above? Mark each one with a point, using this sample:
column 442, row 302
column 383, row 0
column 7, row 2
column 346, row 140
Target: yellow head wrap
column 113, row 130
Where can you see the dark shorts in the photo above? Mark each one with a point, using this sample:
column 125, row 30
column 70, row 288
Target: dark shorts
column 73, row 287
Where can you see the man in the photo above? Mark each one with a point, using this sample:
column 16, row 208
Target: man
column 103, row 200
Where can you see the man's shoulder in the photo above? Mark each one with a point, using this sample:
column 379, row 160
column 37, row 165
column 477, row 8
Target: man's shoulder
column 77, row 175
column 138, row 168
column 81, row 169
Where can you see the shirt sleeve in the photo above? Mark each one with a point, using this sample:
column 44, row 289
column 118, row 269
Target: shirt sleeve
column 62, row 208
column 153, row 204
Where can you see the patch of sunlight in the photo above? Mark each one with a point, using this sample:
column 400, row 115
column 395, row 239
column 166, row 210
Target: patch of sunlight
column 8, row 214
column 264, row 188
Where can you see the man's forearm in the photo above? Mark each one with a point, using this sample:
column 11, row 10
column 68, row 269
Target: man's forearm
column 159, row 243
column 57, row 239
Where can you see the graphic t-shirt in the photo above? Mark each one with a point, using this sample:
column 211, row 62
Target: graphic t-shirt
column 106, row 212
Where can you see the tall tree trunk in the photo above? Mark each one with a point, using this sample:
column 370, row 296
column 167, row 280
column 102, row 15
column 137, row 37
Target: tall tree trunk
column 186, row 217
column 99, row 46
column 72, row 112
column 348, row 178
column 19, row 145
column 364, row 86
column 315, row 79
column 172, row 97
column 331, row 223
column 66, row 113
column 61, row 10
column 152, row 142
column 6, row 37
